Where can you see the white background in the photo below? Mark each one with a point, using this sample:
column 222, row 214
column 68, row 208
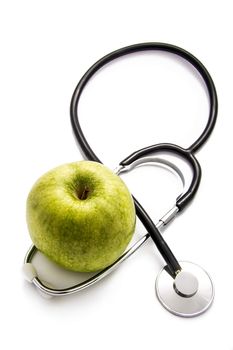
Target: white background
column 46, row 46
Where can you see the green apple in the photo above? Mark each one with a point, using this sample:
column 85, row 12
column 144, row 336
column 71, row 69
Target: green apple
column 81, row 215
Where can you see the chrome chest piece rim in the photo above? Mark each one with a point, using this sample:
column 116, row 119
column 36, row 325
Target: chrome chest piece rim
column 190, row 294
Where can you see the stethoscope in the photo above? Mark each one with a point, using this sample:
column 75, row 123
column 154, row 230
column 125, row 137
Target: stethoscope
column 183, row 288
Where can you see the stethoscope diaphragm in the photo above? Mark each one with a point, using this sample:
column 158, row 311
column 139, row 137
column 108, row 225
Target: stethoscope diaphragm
column 189, row 294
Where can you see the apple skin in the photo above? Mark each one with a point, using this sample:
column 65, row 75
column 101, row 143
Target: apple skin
column 81, row 215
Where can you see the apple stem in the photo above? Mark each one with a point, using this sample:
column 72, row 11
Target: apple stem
column 84, row 193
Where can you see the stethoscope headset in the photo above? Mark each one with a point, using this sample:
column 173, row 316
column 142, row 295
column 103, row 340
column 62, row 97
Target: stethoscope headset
column 183, row 288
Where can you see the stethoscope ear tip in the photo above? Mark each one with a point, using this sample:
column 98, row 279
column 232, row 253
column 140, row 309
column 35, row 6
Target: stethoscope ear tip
column 29, row 272
column 189, row 294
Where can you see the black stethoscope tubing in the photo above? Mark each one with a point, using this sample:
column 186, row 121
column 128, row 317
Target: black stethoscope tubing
column 186, row 153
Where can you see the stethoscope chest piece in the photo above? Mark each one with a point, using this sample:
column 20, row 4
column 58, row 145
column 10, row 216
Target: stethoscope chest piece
column 189, row 294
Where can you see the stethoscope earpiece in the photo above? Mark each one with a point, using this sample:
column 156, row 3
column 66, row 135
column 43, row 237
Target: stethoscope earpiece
column 189, row 294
